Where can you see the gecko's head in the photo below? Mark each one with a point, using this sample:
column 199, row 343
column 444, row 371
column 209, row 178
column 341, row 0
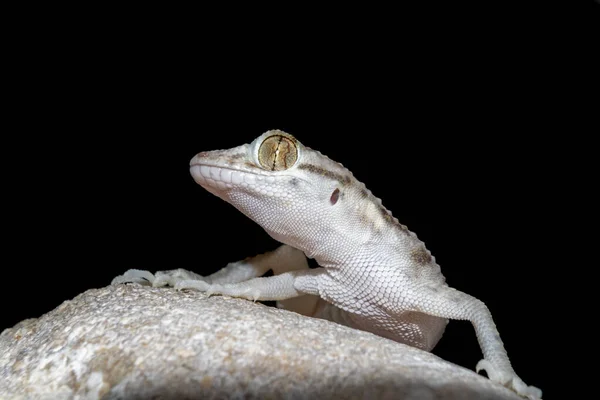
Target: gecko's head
column 287, row 188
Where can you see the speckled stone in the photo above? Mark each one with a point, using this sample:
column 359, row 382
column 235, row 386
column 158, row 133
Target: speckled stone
column 134, row 342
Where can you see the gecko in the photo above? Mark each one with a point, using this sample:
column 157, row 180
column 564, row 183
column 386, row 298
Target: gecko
column 374, row 274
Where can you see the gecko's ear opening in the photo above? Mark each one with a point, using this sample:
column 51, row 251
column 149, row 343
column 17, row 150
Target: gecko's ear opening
column 278, row 152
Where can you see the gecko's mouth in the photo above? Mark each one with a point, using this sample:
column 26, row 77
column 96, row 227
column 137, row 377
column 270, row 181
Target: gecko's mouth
column 218, row 177
column 224, row 178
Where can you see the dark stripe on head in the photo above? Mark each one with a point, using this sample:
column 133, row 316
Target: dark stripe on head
column 342, row 179
column 237, row 156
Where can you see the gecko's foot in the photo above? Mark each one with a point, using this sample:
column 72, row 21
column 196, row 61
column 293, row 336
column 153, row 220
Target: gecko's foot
column 161, row 278
column 200, row 286
column 510, row 380
column 175, row 276
column 140, row 276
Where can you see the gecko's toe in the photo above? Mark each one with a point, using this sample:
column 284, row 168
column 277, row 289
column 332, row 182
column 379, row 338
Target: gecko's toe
column 134, row 276
column 253, row 295
column 174, row 277
column 493, row 373
column 509, row 379
column 200, row 286
column 530, row 392
column 163, row 279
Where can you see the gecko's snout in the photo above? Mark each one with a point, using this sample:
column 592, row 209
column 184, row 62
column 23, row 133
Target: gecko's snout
column 198, row 158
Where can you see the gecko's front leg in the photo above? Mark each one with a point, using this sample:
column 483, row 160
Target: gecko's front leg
column 240, row 279
column 279, row 287
column 283, row 259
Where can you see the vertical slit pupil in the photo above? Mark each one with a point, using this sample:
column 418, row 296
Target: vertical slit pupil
column 275, row 153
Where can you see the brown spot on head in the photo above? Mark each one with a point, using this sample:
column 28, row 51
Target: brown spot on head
column 421, row 256
column 235, row 157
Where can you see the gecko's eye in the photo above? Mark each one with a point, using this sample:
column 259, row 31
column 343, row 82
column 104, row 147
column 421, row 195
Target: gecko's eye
column 277, row 153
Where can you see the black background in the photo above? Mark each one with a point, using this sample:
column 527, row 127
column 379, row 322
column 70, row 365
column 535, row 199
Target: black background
column 448, row 119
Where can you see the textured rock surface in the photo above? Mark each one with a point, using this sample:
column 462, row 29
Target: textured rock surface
column 134, row 342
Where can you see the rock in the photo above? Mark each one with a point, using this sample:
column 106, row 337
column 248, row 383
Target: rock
column 135, row 342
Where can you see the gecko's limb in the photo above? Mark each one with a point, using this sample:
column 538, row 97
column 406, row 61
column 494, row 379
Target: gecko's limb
column 161, row 278
column 281, row 260
column 279, row 287
column 135, row 276
column 450, row 303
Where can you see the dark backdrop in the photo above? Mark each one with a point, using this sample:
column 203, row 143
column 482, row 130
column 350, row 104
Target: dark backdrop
column 450, row 127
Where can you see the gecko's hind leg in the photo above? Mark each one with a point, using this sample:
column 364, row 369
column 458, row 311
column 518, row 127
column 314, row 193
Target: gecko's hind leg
column 447, row 302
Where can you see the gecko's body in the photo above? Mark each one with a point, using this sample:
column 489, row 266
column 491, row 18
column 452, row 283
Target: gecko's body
column 374, row 273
